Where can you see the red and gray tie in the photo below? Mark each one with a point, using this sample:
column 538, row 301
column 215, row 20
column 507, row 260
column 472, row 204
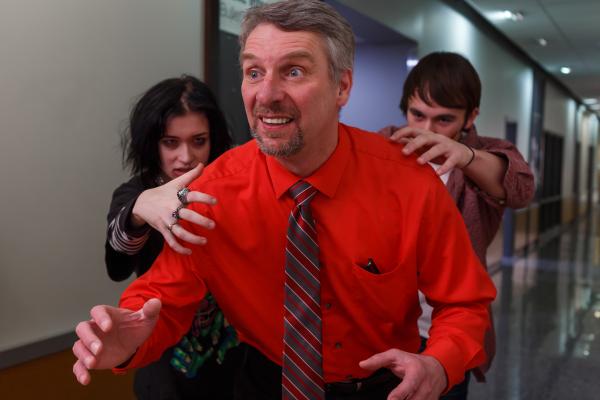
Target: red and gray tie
column 302, row 372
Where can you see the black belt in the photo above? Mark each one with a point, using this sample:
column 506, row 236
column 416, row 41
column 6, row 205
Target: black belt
column 377, row 380
column 260, row 379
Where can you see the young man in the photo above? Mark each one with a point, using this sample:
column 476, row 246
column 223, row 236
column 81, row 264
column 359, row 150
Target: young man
column 324, row 235
column 484, row 175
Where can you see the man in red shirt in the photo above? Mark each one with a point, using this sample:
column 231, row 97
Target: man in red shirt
column 321, row 288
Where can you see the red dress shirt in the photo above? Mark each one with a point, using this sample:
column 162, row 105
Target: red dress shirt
column 373, row 203
column 483, row 213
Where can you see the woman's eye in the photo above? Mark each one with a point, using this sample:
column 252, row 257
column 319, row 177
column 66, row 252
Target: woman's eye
column 169, row 143
column 201, row 141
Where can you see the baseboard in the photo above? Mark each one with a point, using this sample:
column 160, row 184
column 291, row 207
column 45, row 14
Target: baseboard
column 32, row 351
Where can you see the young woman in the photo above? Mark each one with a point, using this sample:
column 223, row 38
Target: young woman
column 175, row 129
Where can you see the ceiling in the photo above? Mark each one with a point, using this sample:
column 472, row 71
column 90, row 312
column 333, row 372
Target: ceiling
column 571, row 29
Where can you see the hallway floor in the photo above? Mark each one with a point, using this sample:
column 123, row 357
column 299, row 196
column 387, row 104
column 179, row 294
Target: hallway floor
column 547, row 317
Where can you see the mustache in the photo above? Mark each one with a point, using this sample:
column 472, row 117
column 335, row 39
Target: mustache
column 276, row 108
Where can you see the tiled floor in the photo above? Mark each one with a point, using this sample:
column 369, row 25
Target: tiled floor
column 547, row 317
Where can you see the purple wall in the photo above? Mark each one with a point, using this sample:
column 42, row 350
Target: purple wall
column 379, row 73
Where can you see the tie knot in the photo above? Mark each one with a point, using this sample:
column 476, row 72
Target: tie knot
column 302, row 192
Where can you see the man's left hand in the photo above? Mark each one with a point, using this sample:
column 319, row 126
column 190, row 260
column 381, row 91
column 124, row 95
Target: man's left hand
column 423, row 377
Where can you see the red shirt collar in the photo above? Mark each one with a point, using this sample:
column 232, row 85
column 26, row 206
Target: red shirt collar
column 326, row 178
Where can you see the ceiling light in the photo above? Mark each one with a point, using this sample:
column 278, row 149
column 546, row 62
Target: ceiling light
column 542, row 42
column 517, row 16
column 506, row 15
column 590, row 101
column 565, row 70
column 411, row 62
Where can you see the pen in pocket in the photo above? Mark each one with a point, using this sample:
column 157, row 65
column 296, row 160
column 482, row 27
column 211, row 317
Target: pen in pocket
column 371, row 267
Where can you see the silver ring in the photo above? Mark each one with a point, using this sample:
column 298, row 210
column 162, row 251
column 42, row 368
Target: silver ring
column 175, row 214
column 171, row 225
column 182, row 195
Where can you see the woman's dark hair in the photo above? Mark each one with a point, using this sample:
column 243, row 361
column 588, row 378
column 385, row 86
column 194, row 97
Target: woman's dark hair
column 448, row 79
column 173, row 97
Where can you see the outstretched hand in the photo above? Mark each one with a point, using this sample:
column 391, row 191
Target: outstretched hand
column 155, row 207
column 423, row 377
column 111, row 337
column 433, row 147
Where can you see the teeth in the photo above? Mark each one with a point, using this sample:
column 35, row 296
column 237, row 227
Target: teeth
column 276, row 121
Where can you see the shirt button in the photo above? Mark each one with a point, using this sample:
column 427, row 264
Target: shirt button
column 338, row 345
column 327, row 306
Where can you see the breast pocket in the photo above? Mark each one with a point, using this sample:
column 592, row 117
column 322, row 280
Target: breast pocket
column 387, row 296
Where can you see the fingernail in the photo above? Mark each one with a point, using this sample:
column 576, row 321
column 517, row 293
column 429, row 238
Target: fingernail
column 94, row 347
column 211, row 225
column 104, row 324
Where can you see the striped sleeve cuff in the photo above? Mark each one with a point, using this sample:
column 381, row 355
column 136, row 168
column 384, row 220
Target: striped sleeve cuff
column 123, row 242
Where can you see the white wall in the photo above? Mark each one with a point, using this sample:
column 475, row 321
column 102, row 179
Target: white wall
column 69, row 70
column 507, row 82
column 559, row 111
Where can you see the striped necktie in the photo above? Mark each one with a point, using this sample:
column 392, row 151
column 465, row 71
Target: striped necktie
column 302, row 372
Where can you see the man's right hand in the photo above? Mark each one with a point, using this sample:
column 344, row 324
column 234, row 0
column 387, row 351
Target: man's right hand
column 111, row 337
column 423, row 377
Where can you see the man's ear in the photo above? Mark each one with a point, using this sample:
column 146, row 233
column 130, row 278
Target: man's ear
column 344, row 86
column 470, row 120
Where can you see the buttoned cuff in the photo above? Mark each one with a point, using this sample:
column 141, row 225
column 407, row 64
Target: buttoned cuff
column 452, row 358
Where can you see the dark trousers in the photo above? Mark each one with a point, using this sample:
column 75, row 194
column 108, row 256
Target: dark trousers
column 160, row 381
column 260, row 379
column 460, row 390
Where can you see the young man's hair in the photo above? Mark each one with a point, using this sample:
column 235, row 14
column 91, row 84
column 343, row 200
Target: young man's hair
column 448, row 79
column 311, row 16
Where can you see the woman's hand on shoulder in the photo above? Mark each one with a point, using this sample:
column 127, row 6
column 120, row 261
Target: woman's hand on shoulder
column 157, row 206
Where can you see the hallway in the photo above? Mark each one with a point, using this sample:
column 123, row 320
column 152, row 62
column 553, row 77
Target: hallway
column 547, row 317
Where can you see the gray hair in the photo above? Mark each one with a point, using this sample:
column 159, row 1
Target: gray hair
column 307, row 15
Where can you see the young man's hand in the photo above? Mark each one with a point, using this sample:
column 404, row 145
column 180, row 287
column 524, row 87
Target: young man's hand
column 433, row 147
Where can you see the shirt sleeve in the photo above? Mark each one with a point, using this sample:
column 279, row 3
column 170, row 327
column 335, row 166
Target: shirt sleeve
column 122, row 236
column 518, row 180
column 455, row 284
column 123, row 241
column 176, row 281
